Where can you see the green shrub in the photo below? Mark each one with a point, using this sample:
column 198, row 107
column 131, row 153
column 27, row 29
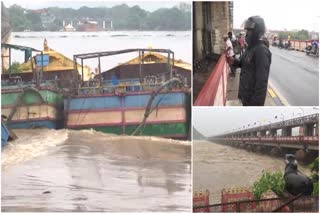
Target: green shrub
column 315, row 176
column 273, row 181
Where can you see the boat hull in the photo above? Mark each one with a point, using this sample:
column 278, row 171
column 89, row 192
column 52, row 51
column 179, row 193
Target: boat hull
column 4, row 135
column 122, row 114
column 32, row 108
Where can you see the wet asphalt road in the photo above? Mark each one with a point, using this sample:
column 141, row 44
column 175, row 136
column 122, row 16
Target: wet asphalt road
column 295, row 76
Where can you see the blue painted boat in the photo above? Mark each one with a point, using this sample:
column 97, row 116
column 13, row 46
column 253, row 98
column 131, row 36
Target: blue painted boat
column 5, row 134
column 149, row 95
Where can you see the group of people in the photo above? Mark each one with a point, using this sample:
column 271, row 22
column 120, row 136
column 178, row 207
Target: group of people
column 231, row 44
column 254, row 61
column 281, row 43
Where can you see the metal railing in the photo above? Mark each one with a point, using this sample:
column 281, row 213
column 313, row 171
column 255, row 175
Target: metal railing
column 312, row 118
column 298, row 45
column 214, row 91
column 302, row 204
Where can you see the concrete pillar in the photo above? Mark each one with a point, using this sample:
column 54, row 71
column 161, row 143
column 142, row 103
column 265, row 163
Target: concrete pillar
column 276, row 151
column 273, row 132
column 248, row 147
column 317, row 129
column 198, row 27
column 258, row 149
column 287, row 131
column 211, row 21
column 308, row 129
column 263, row 133
column 222, row 25
column 208, row 26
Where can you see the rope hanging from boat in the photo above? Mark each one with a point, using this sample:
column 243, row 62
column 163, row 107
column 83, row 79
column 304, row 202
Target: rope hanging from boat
column 148, row 109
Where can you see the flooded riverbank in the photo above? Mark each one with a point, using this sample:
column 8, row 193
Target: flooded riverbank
column 64, row 170
column 217, row 166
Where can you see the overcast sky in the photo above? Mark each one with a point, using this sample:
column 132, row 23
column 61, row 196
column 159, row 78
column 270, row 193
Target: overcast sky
column 38, row 4
column 280, row 14
column 216, row 120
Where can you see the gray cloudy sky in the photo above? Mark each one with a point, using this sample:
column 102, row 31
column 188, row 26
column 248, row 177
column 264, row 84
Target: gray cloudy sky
column 216, row 120
column 38, row 4
column 280, row 14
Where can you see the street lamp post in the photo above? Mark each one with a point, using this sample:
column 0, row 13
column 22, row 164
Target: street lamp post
column 302, row 111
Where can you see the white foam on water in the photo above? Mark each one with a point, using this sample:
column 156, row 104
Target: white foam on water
column 150, row 139
column 31, row 143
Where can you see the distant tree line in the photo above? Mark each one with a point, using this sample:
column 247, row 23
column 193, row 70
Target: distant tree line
column 122, row 16
column 296, row 35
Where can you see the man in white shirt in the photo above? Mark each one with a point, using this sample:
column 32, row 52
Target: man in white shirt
column 229, row 53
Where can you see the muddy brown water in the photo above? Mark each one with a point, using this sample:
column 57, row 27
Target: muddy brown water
column 216, row 167
column 63, row 170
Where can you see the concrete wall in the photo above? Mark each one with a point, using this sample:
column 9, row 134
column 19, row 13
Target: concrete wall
column 211, row 21
column 198, row 27
column 222, row 25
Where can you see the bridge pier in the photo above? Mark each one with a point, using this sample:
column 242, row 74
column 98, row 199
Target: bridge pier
column 276, row 151
column 249, row 148
column 254, row 134
column 306, row 156
column 286, row 131
column 273, row 132
column 255, row 148
column 308, row 129
column 300, row 155
column 263, row 133
column 260, row 149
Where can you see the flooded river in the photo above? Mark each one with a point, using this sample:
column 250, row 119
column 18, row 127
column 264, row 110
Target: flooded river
column 218, row 166
column 71, row 43
column 64, row 170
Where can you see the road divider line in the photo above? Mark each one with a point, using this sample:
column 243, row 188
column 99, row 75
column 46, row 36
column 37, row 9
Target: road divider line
column 276, row 95
column 271, row 92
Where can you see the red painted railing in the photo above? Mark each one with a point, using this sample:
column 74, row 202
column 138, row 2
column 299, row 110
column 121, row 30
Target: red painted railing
column 201, row 199
column 299, row 45
column 214, row 90
column 286, row 139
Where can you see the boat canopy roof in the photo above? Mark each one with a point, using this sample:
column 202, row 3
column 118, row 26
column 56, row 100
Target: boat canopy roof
column 110, row 53
column 27, row 50
column 19, row 47
column 156, row 58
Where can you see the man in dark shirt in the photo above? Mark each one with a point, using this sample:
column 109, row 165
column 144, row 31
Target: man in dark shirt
column 254, row 64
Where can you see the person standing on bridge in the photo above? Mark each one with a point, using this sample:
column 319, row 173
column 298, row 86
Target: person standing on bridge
column 254, row 64
column 230, row 53
column 241, row 43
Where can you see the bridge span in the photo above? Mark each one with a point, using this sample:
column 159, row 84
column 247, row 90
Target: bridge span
column 277, row 135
